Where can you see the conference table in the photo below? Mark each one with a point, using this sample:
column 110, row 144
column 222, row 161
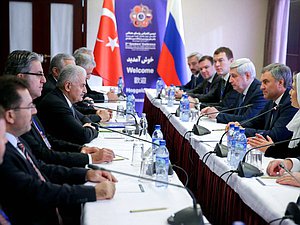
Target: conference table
column 132, row 193
column 223, row 199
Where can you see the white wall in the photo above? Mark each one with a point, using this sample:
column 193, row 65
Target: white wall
column 237, row 24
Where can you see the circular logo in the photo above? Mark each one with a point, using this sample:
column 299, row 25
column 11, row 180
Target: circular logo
column 141, row 16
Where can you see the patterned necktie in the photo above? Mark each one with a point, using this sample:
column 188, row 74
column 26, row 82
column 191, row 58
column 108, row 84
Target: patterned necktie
column 41, row 133
column 23, row 149
column 3, row 218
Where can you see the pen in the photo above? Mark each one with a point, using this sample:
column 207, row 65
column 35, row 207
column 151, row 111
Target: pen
column 121, row 157
column 141, row 188
column 146, row 210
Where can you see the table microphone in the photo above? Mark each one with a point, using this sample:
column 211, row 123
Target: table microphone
column 222, row 150
column 200, row 130
column 293, row 211
column 247, row 170
column 187, row 216
column 137, row 128
column 170, row 171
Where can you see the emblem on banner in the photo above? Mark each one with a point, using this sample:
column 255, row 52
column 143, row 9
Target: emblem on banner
column 141, row 16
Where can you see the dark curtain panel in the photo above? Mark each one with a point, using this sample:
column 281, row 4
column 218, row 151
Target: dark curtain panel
column 276, row 31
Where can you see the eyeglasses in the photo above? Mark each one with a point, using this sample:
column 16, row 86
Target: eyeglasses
column 31, row 106
column 36, row 74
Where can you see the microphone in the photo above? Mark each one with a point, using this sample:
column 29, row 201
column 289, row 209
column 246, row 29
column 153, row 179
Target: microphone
column 170, row 171
column 187, row 216
column 247, row 170
column 281, row 165
column 137, row 128
column 200, row 130
column 293, row 211
column 221, row 149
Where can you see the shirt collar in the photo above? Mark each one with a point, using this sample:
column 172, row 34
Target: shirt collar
column 247, row 88
column 68, row 101
column 211, row 79
column 226, row 77
column 12, row 139
column 278, row 99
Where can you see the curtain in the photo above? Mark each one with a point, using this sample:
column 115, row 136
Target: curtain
column 276, row 31
column 20, row 26
column 61, row 28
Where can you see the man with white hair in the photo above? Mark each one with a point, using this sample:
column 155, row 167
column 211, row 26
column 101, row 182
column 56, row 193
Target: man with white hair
column 56, row 110
column 242, row 79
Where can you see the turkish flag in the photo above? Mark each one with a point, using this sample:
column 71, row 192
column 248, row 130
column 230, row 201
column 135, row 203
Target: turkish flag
column 107, row 49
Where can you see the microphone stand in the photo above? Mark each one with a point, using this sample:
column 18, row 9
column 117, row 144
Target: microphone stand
column 221, row 149
column 137, row 128
column 247, row 170
column 187, row 216
column 200, row 130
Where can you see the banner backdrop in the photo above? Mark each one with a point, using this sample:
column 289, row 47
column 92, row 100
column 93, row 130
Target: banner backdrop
column 141, row 27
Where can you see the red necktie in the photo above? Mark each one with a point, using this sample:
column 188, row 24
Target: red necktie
column 23, row 149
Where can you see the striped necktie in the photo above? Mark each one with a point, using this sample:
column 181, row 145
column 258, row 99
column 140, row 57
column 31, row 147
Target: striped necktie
column 28, row 158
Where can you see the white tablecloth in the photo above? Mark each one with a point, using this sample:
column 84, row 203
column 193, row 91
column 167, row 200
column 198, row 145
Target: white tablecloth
column 269, row 201
column 128, row 196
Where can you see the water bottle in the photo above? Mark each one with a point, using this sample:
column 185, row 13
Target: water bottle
column 162, row 164
column 143, row 125
column 181, row 106
column 130, row 106
column 185, row 110
column 241, row 145
column 171, row 96
column 156, row 137
column 229, row 139
column 159, row 87
column 233, row 160
column 120, row 87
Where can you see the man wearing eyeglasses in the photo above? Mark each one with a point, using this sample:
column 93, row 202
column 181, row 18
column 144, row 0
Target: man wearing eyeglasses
column 27, row 65
column 32, row 192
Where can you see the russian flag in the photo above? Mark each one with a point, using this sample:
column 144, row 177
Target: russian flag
column 172, row 61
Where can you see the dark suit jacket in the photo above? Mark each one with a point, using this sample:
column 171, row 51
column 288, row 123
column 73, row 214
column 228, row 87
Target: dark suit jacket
column 254, row 96
column 28, row 200
column 282, row 151
column 206, row 92
column 281, row 117
column 94, row 94
column 42, row 152
column 192, row 84
column 228, row 99
column 47, row 87
column 58, row 120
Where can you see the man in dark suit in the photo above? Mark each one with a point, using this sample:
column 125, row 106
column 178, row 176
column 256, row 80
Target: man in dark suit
column 243, row 80
column 276, row 81
column 57, row 113
column 42, row 143
column 209, row 89
column 95, row 95
column 196, row 78
column 3, row 217
column 31, row 191
column 223, row 57
column 87, row 62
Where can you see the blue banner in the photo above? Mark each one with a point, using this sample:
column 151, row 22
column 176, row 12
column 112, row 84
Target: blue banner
column 141, row 27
